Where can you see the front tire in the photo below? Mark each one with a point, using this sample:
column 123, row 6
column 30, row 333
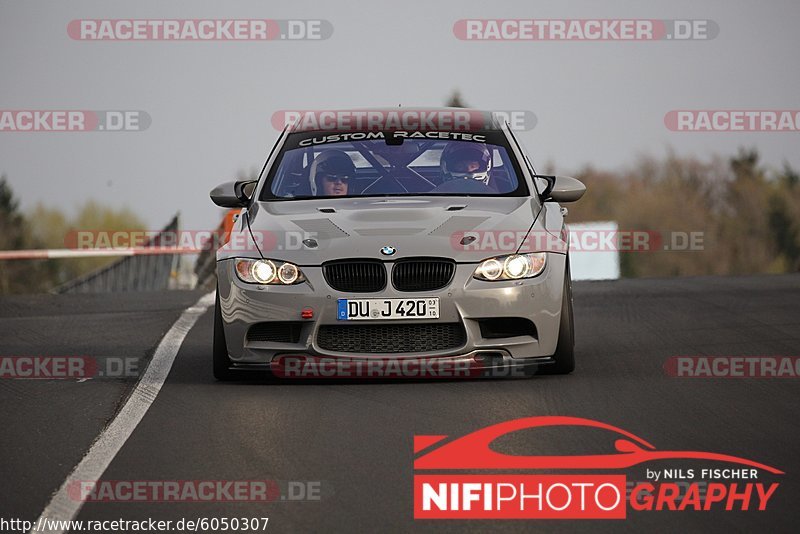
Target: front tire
column 565, row 349
column 222, row 363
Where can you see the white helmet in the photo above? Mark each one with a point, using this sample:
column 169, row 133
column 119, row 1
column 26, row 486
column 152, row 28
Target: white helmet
column 330, row 163
column 466, row 160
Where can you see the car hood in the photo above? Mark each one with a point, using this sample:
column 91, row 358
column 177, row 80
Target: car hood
column 413, row 226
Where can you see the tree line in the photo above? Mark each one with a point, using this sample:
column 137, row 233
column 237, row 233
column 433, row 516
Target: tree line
column 748, row 216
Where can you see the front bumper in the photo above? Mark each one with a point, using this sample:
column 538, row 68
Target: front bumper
column 465, row 300
column 476, row 364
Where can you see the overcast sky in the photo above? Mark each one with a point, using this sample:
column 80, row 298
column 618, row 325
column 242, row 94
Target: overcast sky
column 599, row 103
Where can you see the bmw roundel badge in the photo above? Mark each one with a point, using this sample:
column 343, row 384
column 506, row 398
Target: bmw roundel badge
column 388, row 251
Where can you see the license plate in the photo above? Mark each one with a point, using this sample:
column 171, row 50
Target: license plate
column 369, row 309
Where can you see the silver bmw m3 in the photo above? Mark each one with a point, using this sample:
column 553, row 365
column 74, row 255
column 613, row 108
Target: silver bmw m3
column 398, row 238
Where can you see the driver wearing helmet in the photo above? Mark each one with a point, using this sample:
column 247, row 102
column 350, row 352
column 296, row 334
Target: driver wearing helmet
column 466, row 160
column 330, row 174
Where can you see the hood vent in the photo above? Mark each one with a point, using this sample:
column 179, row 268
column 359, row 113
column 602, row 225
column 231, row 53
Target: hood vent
column 457, row 224
column 321, row 228
column 388, row 231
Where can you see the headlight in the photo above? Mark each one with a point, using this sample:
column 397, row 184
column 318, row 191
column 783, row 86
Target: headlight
column 513, row 267
column 288, row 273
column 268, row 272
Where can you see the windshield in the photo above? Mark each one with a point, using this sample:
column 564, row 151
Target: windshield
column 325, row 165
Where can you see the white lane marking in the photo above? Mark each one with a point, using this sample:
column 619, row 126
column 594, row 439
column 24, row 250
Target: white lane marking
column 62, row 506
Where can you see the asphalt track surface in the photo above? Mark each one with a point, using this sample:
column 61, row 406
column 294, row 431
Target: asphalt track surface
column 355, row 438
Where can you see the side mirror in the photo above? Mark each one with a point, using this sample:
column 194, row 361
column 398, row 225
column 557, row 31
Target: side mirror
column 562, row 188
column 233, row 194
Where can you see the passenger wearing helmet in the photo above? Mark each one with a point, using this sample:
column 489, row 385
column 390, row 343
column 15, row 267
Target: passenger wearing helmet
column 465, row 160
column 330, row 173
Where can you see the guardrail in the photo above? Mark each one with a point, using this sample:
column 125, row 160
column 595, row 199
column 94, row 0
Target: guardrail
column 148, row 268
column 156, row 265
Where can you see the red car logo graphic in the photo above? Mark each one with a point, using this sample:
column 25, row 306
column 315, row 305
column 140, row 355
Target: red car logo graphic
column 473, row 452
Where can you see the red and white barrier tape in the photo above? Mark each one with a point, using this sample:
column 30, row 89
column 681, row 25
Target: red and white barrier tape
column 92, row 252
